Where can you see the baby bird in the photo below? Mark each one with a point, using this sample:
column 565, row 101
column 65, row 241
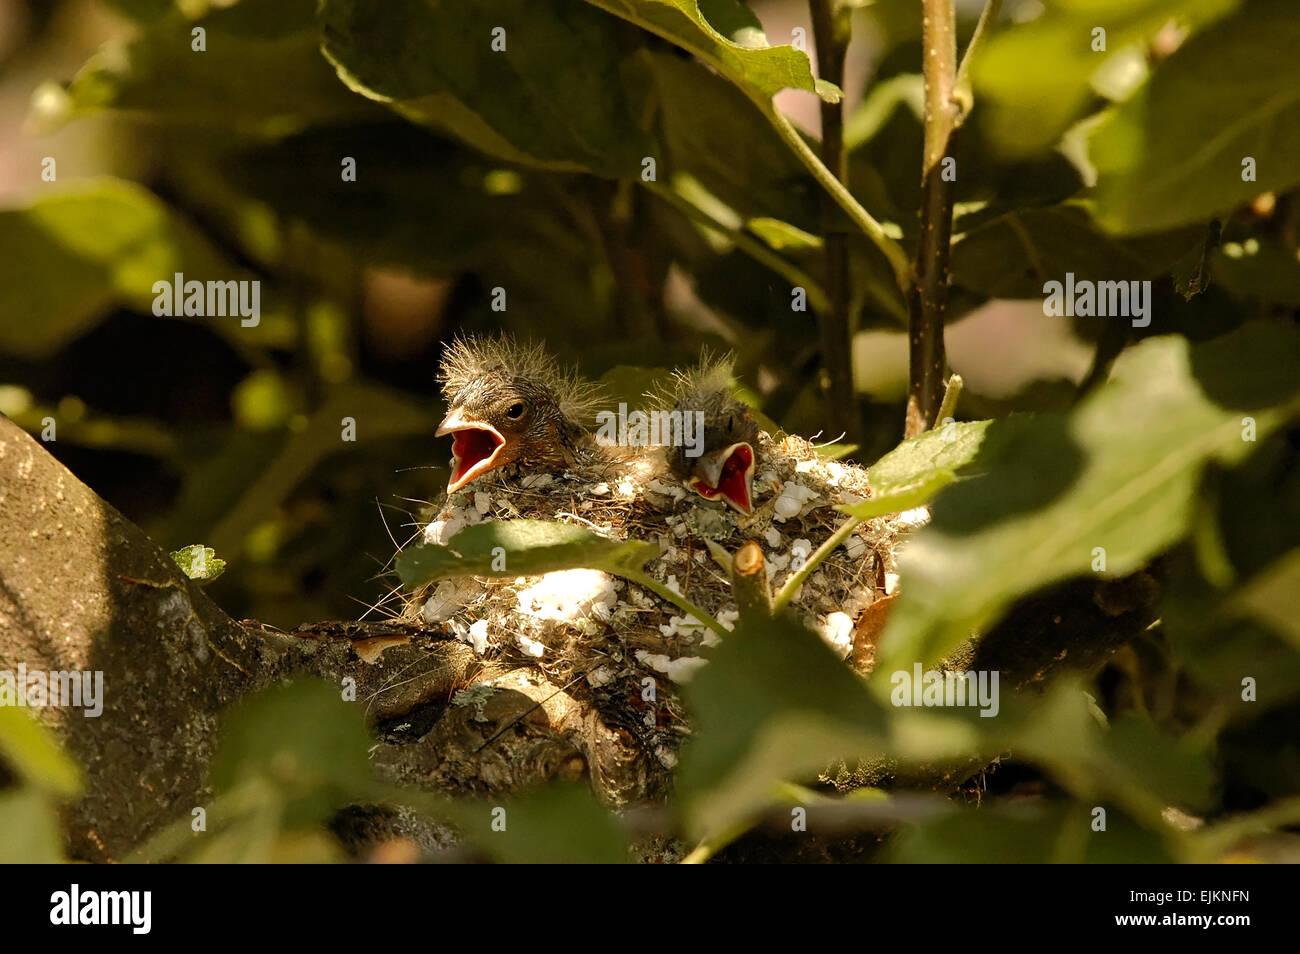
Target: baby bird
column 724, row 465
column 511, row 403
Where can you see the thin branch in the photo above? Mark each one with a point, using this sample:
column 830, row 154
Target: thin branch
column 831, row 31
column 949, row 406
column 843, row 198
column 929, row 297
column 962, row 93
column 749, row 581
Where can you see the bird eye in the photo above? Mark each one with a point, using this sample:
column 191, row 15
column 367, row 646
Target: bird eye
column 515, row 411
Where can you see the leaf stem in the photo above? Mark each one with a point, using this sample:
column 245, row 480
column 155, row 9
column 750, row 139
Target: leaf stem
column 659, row 589
column 710, row 845
column 892, row 251
column 751, row 246
column 950, row 396
column 791, row 587
column 962, row 93
column 1216, row 839
column 861, row 218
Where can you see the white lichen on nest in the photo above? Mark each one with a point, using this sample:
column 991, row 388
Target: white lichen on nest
column 587, row 624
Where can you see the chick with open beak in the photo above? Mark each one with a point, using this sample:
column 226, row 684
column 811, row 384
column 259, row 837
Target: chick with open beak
column 724, row 466
column 509, row 403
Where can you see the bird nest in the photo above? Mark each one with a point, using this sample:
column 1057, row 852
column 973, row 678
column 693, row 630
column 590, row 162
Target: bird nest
column 605, row 635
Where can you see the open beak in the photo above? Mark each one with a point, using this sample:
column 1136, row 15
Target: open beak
column 474, row 448
column 727, row 473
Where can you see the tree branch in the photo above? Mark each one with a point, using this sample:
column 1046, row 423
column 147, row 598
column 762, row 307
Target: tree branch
column 929, row 296
column 749, row 583
column 831, row 31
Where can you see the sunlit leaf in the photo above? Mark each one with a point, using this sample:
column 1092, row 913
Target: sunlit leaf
column 510, row 548
column 911, row 474
column 731, row 40
column 1034, row 79
column 1177, row 152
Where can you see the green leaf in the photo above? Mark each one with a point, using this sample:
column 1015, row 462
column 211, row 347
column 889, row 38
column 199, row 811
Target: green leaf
column 245, row 16
column 557, row 824
column 29, row 828
column 1218, row 638
column 143, row 9
column 304, row 741
column 86, row 248
column 774, row 704
column 917, row 469
column 714, row 134
column 883, row 136
column 522, row 548
column 1173, row 153
column 554, row 98
column 31, row 751
column 1130, row 762
column 784, row 237
column 1273, row 598
column 1258, row 270
column 1119, row 474
column 630, row 383
column 1014, row 255
column 1033, row 80
column 241, row 83
column 1041, row 833
column 449, row 211
column 731, row 40
column 199, row 562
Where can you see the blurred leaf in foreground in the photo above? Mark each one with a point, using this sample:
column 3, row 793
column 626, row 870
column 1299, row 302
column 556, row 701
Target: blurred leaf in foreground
column 30, row 750
column 1217, row 124
column 1033, row 80
column 558, row 824
column 1100, row 491
column 90, row 246
column 773, row 704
